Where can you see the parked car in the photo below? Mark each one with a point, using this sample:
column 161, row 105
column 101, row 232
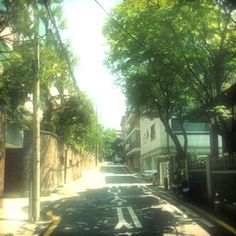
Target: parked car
column 148, row 174
column 118, row 159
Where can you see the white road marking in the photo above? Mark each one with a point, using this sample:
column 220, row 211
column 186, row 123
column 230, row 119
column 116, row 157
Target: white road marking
column 188, row 211
column 196, row 217
column 146, row 190
column 114, row 191
column 134, row 218
column 118, row 200
column 122, row 222
column 174, row 210
column 56, row 206
column 205, row 222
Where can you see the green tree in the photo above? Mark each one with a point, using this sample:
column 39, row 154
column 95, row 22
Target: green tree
column 73, row 119
column 18, row 63
column 68, row 112
column 16, row 58
column 106, row 148
column 118, row 148
column 151, row 87
column 172, row 56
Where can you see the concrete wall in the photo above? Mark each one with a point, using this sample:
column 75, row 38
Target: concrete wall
column 154, row 151
column 147, row 144
column 59, row 165
column 52, row 163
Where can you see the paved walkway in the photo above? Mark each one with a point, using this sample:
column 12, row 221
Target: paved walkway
column 14, row 217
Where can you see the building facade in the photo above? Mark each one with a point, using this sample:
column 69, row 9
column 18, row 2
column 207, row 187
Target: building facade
column 149, row 147
column 131, row 136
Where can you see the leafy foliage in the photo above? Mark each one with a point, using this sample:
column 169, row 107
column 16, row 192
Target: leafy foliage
column 171, row 56
column 106, row 148
column 68, row 114
column 74, row 119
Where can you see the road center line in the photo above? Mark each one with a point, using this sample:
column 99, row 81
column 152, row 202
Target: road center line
column 122, row 222
column 55, row 222
column 134, row 218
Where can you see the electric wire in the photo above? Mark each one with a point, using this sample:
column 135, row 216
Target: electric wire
column 120, row 25
column 65, row 55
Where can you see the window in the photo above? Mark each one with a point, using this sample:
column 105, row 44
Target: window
column 190, row 126
column 153, row 132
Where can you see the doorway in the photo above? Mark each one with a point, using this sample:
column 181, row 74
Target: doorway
column 164, row 172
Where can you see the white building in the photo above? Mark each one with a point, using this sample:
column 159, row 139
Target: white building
column 149, row 147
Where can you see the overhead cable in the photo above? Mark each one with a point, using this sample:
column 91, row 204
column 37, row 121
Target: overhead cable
column 120, row 25
column 64, row 52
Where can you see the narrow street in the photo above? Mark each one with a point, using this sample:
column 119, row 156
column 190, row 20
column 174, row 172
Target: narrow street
column 115, row 202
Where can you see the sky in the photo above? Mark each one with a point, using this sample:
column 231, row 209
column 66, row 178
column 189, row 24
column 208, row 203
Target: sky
column 84, row 29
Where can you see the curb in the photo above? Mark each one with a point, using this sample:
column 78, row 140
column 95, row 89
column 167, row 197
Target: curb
column 214, row 218
column 167, row 196
column 55, row 220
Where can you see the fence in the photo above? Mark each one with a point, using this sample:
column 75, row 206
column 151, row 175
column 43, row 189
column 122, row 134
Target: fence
column 208, row 176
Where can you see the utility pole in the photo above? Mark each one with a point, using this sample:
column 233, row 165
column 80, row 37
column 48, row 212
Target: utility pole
column 35, row 188
column 96, row 161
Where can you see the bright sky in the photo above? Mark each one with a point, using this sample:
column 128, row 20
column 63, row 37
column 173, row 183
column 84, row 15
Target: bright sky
column 85, row 21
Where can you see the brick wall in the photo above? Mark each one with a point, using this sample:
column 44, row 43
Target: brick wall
column 2, row 148
column 58, row 165
column 2, row 171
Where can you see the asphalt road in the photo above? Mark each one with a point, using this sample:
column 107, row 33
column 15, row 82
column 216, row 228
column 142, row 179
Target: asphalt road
column 115, row 202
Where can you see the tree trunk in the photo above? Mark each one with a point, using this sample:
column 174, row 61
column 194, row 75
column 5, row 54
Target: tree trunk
column 178, row 169
column 181, row 154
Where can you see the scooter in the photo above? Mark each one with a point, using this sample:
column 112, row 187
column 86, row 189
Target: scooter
column 182, row 189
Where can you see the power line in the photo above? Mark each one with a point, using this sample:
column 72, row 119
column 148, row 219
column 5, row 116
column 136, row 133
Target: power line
column 65, row 55
column 138, row 42
column 120, row 25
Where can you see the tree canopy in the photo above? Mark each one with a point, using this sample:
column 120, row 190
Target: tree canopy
column 106, row 147
column 66, row 111
column 172, row 56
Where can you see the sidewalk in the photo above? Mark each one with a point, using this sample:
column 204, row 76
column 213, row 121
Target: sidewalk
column 225, row 219
column 14, row 219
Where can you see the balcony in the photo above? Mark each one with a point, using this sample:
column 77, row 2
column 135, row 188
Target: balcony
column 133, row 142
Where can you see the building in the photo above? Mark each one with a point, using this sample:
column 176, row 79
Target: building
column 131, row 135
column 148, row 146
column 157, row 148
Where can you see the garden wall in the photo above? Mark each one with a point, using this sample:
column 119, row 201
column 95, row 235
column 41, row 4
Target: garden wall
column 59, row 164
